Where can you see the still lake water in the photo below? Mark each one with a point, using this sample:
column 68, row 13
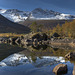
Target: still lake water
column 16, row 60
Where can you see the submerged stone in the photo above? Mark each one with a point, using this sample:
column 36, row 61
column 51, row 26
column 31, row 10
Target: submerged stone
column 60, row 69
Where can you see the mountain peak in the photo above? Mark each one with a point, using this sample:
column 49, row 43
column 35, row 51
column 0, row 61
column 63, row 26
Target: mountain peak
column 37, row 14
column 38, row 9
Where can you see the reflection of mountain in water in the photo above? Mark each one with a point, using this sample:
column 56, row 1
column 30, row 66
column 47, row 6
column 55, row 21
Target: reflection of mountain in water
column 20, row 59
column 6, row 50
column 48, row 60
column 44, row 50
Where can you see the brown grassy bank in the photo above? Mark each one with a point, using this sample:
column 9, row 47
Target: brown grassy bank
column 10, row 35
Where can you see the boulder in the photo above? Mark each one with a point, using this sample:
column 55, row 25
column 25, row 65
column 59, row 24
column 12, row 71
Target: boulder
column 36, row 36
column 40, row 42
column 56, row 35
column 40, row 36
column 13, row 39
column 60, row 69
column 74, row 70
column 70, row 55
column 18, row 40
column 35, row 41
column 44, row 37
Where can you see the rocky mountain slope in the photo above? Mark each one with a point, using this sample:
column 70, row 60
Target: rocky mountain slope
column 36, row 14
column 7, row 26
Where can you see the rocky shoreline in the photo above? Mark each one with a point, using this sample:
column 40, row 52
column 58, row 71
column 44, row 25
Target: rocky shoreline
column 39, row 39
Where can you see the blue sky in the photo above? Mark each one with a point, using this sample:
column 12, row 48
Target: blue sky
column 63, row 6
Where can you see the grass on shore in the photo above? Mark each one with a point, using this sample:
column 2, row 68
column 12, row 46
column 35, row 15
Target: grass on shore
column 16, row 35
column 10, row 35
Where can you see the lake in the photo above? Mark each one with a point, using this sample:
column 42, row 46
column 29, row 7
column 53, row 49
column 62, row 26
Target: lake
column 30, row 60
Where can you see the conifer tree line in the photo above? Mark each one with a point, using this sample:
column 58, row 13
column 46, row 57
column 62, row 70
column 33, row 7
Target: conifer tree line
column 64, row 30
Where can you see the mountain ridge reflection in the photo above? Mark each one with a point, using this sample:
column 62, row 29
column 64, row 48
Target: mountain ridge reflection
column 20, row 59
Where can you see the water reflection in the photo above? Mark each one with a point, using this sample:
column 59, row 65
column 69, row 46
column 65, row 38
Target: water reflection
column 40, row 47
column 32, row 60
column 20, row 59
column 43, row 46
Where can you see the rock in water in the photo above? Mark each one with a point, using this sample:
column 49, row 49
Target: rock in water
column 60, row 69
column 74, row 70
column 70, row 55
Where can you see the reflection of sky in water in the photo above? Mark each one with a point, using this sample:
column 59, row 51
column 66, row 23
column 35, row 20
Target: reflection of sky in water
column 19, row 64
column 19, row 59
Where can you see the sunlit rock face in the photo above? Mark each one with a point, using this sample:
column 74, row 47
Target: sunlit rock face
column 20, row 59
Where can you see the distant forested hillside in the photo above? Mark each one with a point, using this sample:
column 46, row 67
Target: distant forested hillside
column 46, row 23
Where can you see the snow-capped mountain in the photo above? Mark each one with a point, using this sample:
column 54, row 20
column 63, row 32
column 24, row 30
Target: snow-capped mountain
column 41, row 14
column 37, row 14
column 14, row 14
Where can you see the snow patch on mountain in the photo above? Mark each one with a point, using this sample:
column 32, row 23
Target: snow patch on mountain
column 14, row 14
column 37, row 14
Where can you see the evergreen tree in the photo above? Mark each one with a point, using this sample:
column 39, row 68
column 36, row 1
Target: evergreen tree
column 34, row 27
